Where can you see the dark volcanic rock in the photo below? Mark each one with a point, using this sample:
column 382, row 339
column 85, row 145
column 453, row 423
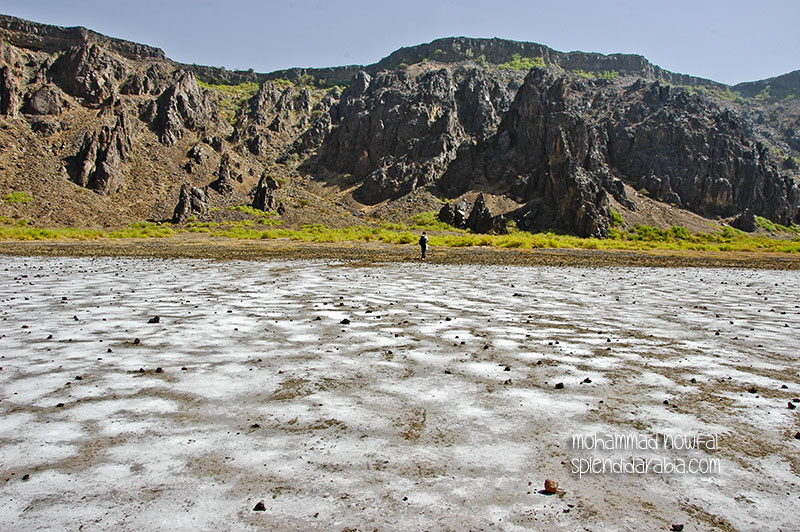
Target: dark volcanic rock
column 224, row 183
column 150, row 81
column 98, row 164
column 550, row 156
column 275, row 110
column 562, row 136
column 89, row 72
column 9, row 92
column 192, row 201
column 455, row 214
column 45, row 101
column 397, row 133
column 183, row 105
column 702, row 153
column 480, row 219
column 315, row 135
column 265, row 199
column 745, row 221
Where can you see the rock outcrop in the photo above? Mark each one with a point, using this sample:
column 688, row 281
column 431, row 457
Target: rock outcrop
column 395, row 132
column 276, row 114
column 224, row 181
column 45, row 101
column 184, row 105
column 476, row 217
column 9, row 92
column 689, row 151
column 746, row 221
column 481, row 220
column 88, row 72
column 557, row 144
column 565, row 144
column 192, row 201
column 98, row 164
column 455, row 214
column 265, row 198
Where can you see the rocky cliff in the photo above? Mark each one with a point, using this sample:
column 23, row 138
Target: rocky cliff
column 550, row 147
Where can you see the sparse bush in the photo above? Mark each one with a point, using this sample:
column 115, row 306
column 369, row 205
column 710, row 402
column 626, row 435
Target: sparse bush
column 17, row 197
column 616, row 219
column 231, row 98
column 522, row 63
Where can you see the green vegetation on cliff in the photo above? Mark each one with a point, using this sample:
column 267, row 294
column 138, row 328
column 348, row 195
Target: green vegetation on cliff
column 522, row 63
column 231, row 98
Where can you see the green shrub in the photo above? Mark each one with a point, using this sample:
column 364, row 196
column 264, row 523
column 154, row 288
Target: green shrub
column 607, row 74
column 252, row 211
column 142, row 230
column 429, row 221
column 522, row 63
column 773, row 227
column 231, row 98
column 17, row 197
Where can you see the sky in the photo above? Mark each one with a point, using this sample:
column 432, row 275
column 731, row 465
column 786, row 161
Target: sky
column 727, row 41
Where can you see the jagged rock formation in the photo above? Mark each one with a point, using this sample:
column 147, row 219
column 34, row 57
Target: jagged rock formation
column 224, row 182
column 89, row 72
column 45, row 101
column 705, row 156
column 276, row 115
column 549, row 148
column 399, row 132
column 476, row 217
column 9, row 92
column 99, row 161
column 455, row 214
column 192, row 201
column 182, row 105
column 265, row 198
column 745, row 221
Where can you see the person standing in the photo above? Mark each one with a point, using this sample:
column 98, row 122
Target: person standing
column 423, row 244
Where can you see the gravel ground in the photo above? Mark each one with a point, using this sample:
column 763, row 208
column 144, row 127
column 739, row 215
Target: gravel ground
column 201, row 246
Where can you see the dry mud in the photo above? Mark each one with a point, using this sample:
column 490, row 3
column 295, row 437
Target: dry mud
column 434, row 408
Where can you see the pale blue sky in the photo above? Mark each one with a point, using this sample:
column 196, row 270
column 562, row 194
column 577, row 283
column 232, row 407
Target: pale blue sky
column 728, row 41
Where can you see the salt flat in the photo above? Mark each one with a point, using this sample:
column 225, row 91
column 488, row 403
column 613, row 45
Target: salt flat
column 434, row 408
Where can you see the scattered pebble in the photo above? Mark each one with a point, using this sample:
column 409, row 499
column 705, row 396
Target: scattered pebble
column 260, row 507
column 677, row 528
column 752, row 389
column 792, row 406
column 154, row 319
column 559, row 386
column 550, row 486
column 345, row 322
